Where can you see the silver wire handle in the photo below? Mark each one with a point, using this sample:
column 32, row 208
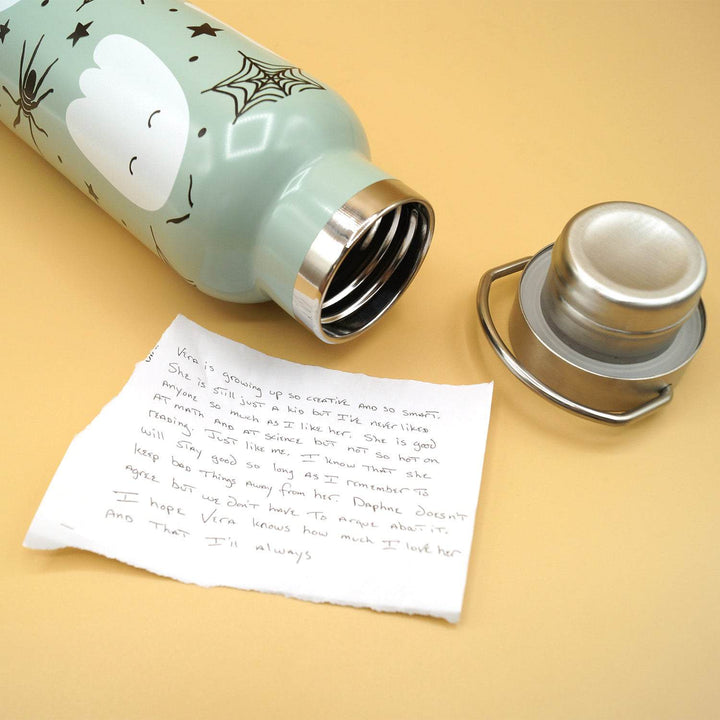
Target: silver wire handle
column 513, row 365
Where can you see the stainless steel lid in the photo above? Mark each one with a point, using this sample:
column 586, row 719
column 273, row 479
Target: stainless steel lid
column 607, row 318
column 623, row 278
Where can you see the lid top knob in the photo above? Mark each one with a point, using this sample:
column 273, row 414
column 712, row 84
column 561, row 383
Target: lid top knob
column 622, row 279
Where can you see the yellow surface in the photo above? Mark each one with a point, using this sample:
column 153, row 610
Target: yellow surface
column 594, row 581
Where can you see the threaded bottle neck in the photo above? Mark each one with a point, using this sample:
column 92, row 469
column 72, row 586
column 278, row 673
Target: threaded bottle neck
column 362, row 260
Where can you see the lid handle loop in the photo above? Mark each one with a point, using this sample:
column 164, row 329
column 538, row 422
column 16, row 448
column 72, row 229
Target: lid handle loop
column 663, row 397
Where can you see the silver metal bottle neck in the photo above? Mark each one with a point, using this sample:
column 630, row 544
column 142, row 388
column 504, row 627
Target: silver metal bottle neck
column 362, row 260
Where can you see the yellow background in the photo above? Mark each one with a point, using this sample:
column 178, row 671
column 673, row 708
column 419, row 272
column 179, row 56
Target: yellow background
column 594, row 581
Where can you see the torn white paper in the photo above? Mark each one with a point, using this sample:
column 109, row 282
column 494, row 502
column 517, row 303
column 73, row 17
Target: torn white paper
column 218, row 465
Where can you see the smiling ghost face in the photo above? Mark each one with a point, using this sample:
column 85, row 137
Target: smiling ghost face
column 132, row 123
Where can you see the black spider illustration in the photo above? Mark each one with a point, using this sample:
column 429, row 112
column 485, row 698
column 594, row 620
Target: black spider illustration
column 29, row 86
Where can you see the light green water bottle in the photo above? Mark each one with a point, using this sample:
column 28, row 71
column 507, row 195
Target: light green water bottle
column 248, row 176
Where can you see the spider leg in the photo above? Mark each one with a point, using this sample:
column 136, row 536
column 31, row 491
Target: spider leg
column 42, row 97
column 20, row 75
column 32, row 122
column 42, row 78
column 16, row 102
column 32, row 57
column 31, row 133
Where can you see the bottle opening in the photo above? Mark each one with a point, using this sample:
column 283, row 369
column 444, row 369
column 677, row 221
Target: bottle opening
column 376, row 269
column 363, row 260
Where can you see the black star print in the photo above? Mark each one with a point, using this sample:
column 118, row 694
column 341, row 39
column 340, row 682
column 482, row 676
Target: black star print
column 4, row 30
column 204, row 29
column 84, row 3
column 79, row 32
column 92, row 192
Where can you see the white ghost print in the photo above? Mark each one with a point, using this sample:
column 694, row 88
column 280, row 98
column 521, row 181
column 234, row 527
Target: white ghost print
column 132, row 123
column 5, row 4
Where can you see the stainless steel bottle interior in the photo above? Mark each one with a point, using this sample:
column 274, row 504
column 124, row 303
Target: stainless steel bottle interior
column 362, row 261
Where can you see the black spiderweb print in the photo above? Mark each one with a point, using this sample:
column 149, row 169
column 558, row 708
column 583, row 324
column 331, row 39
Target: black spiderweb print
column 258, row 82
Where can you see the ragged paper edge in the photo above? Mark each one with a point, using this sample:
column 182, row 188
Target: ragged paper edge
column 451, row 616
column 34, row 541
column 182, row 319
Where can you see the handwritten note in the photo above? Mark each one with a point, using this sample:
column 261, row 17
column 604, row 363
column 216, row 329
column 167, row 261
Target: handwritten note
column 219, row 465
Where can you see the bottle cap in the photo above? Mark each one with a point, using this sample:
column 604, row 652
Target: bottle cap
column 623, row 277
column 607, row 318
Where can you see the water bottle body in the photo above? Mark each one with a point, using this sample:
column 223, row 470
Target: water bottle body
column 221, row 157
